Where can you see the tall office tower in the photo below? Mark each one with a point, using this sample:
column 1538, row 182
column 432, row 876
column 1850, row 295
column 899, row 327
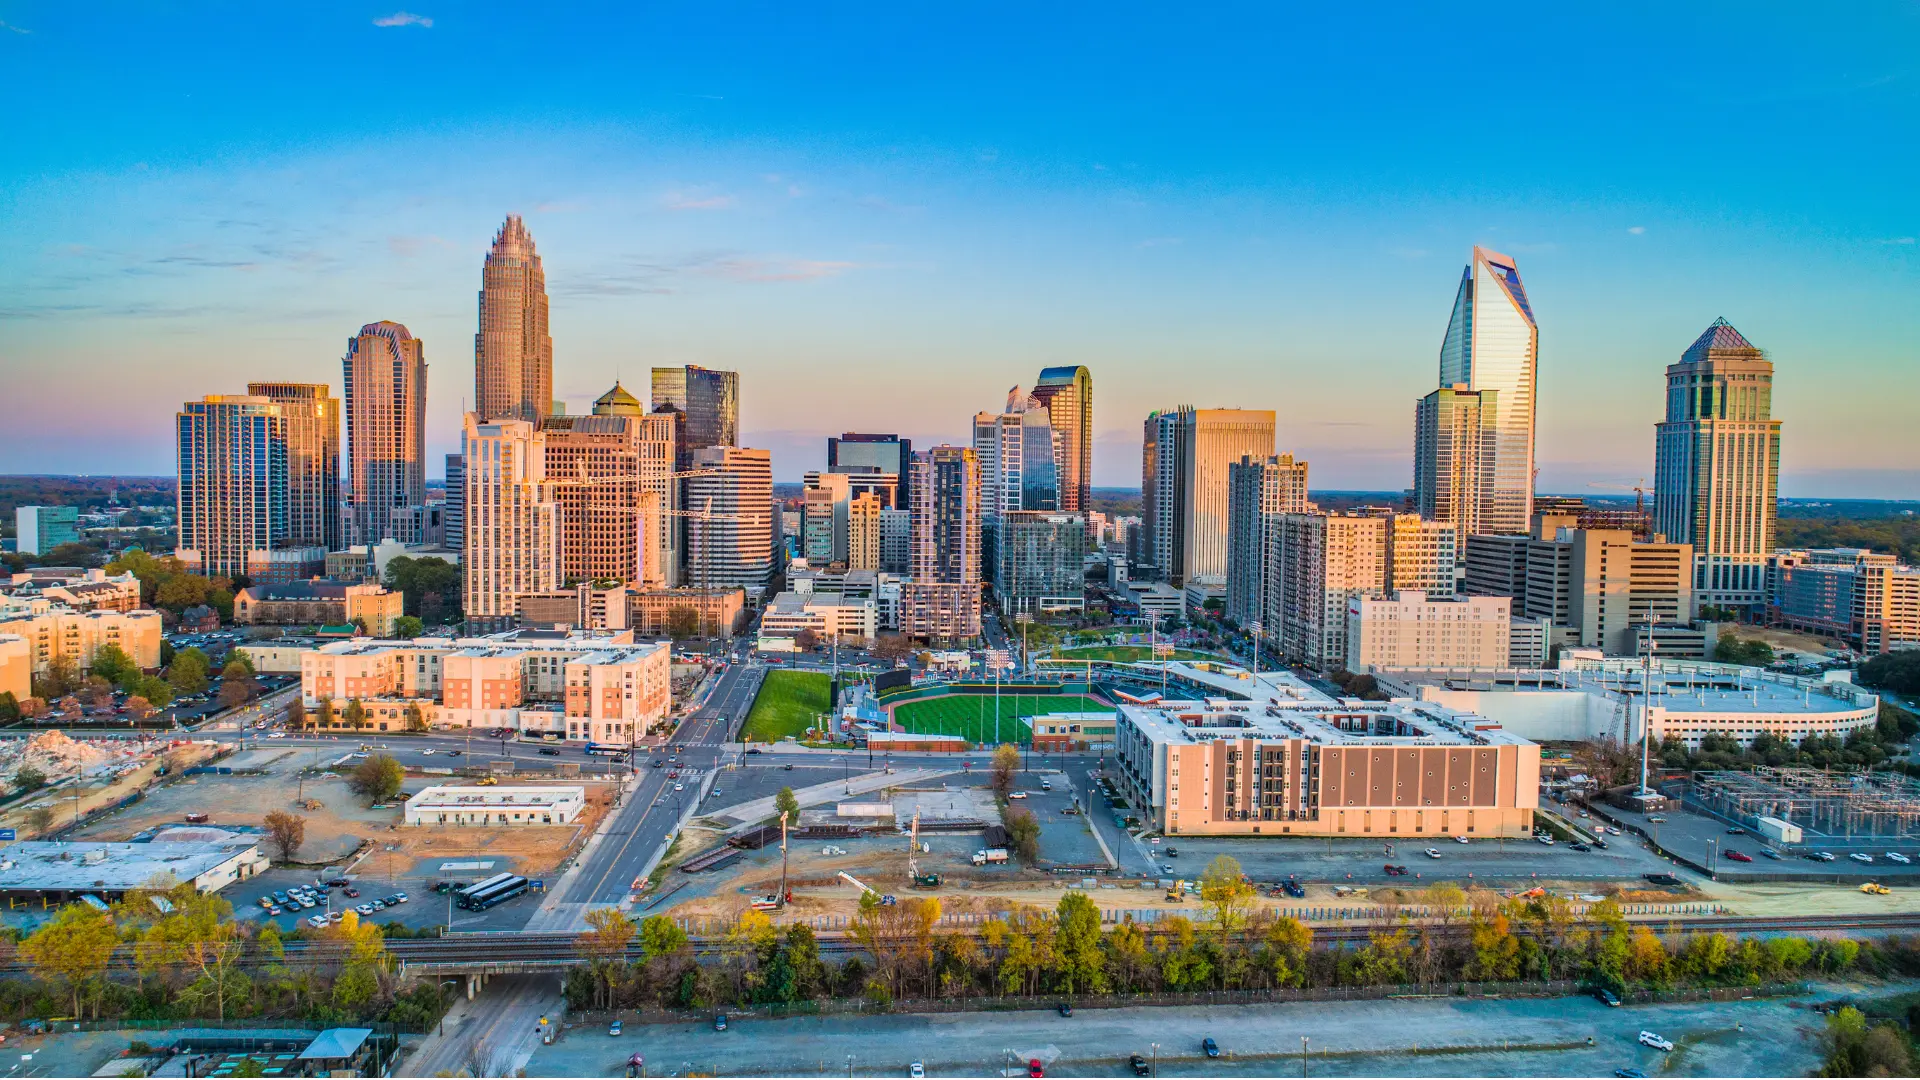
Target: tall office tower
column 385, row 373
column 232, row 497
column 608, row 476
column 943, row 599
column 1323, row 562
column 824, row 519
column 1259, row 490
column 1018, row 452
column 1453, row 459
column 730, row 527
column 855, row 452
column 512, row 519
column 863, row 532
column 313, row 461
column 896, row 541
column 1717, row 465
column 1188, row 454
column 710, row 399
column 1492, row 344
column 40, row 529
column 453, row 516
column 1067, row 394
column 513, row 353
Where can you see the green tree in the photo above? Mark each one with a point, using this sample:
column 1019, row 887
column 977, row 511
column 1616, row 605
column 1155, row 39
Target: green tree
column 323, row 716
column 1023, row 832
column 9, row 708
column 408, row 627
column 356, row 715
column 682, row 622
column 242, row 659
column 604, row 944
column 1730, row 649
column 788, row 803
column 188, row 672
column 156, row 690
column 1079, row 964
column 72, row 949
column 28, row 779
column 377, row 777
column 111, row 662
column 1225, row 891
column 660, row 938
column 417, row 578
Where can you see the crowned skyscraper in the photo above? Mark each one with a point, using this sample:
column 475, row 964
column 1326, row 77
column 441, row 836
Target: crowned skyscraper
column 1491, row 350
column 512, row 352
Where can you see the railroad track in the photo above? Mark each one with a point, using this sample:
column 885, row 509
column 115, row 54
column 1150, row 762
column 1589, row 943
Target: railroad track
column 561, row 949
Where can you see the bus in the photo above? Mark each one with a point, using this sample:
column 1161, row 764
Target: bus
column 482, row 896
column 460, row 895
column 604, row 749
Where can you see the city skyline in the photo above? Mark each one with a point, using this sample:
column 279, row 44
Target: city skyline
column 853, row 264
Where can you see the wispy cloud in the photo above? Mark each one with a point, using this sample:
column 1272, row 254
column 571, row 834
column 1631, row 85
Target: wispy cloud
column 4, row 25
column 1637, row 230
column 403, row 18
column 777, row 269
column 682, row 200
column 1898, row 240
column 559, row 206
column 408, row 246
column 639, row 277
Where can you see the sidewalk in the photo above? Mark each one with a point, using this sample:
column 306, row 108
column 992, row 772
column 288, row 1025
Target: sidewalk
column 833, row 790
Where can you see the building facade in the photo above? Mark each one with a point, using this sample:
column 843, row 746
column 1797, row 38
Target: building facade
column 232, row 498
column 40, row 529
column 314, row 495
column 1066, row 393
column 512, row 350
column 319, row 603
column 889, row 454
column 52, row 631
column 1595, row 586
column 613, row 476
column 1040, row 562
column 1492, row 344
column 942, row 601
column 1324, row 561
column 1867, row 599
column 512, row 528
column 1717, row 466
column 1185, row 463
column 730, row 523
column 1411, row 630
column 1455, row 451
column 385, row 374
column 1259, row 490
column 709, row 399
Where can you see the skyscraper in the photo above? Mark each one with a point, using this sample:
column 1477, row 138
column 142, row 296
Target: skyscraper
column 1067, row 394
column 1454, row 454
column 232, row 498
column 1717, row 465
column 385, row 374
column 453, row 516
column 512, row 352
column 1185, row 490
column 943, row 599
column 863, row 532
column 313, row 461
column 1259, row 491
column 709, row 398
column 730, row 523
column 1018, row 455
column 1492, row 344
column 512, row 527
column 611, row 477
column 890, row 454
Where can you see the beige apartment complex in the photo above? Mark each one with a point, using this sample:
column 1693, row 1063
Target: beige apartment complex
column 16, row 666
column 512, row 531
column 52, row 631
column 1414, row 630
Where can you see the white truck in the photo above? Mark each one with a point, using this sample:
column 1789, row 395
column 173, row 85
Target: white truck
column 989, row 855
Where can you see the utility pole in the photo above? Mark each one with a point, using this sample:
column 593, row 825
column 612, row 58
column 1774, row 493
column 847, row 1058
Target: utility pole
column 783, row 858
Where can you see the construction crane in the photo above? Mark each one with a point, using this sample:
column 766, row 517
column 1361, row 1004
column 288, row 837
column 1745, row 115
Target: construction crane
column 1635, row 484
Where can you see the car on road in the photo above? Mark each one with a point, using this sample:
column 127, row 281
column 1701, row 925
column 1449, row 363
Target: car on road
column 1821, row 856
column 755, row 750
column 1657, row 819
column 427, row 752
column 916, row 1070
column 1648, row 1038
column 1209, row 1047
column 1461, row 840
column 1433, row 853
column 1139, row 1065
column 1017, row 795
column 1736, row 831
column 720, row 1022
column 1860, row 856
column 1034, row 1068
column 1395, row 871
column 679, row 787
column 788, row 767
column 353, row 892
column 1544, row 838
column 1066, row 1009
column 1172, row 852
column 613, row 1029
column 1770, row 853
column 1577, row 846
column 548, row 751
column 1167, row 868
column 1899, row 858
column 1739, row 856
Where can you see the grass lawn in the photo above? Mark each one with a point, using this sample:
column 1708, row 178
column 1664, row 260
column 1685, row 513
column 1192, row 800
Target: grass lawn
column 970, row 716
column 789, row 703
column 1126, row 654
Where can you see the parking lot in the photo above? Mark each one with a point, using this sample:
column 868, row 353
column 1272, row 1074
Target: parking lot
column 1707, row 842
column 1065, row 839
column 423, row 907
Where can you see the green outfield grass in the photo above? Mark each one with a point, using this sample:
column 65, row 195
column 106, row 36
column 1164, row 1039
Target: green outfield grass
column 1127, row 654
column 788, row 703
column 970, row 716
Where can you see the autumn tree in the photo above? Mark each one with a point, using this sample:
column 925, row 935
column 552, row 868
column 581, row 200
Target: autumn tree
column 378, row 777
column 1023, row 832
column 682, row 622
column 72, row 949
column 286, row 831
column 604, row 943
column 1006, row 761
column 296, row 714
column 1226, row 893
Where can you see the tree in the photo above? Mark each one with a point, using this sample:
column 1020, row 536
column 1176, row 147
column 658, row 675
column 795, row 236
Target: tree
column 604, row 944
column 28, row 779
column 99, row 692
column 892, row 648
column 61, row 678
column 111, row 662
column 417, row 579
column 296, row 714
column 787, row 803
column 237, row 658
column 682, row 622
column 9, row 708
column 323, row 716
column 1225, row 891
column 235, row 693
column 806, row 640
column 72, row 948
column 287, row 831
column 356, row 714
column 40, row 819
column 1023, row 832
column 660, row 938
column 157, row 691
column 188, row 672
column 1730, row 649
column 139, row 708
column 378, row 778
column 416, row 719
column 1006, row 759
column 1079, row 963
column 409, row 627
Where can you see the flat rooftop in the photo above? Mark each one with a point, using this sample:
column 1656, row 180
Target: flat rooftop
column 465, row 798
column 80, row 866
column 1679, row 686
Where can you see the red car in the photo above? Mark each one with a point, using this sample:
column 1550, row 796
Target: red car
column 1739, row 856
column 1034, row 1068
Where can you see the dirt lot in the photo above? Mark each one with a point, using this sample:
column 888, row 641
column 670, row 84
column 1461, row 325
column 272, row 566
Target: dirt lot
column 533, row 849
column 96, row 793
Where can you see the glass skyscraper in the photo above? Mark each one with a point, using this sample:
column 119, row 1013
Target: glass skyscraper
column 232, row 499
column 1492, row 344
column 1067, row 394
column 709, row 398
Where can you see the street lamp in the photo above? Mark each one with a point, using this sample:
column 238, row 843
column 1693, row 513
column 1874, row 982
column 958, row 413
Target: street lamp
column 1155, row 1069
column 1303, row 1055
column 444, row 983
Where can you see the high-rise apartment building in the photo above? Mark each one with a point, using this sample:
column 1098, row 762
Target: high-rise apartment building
column 943, row 599
column 1717, row 465
column 40, row 529
column 1259, row 490
column 232, row 498
column 1454, row 453
column 1423, row 555
column 896, row 541
column 1019, row 453
column 886, row 454
column 1040, row 561
column 612, row 476
column 709, row 399
column 825, row 505
column 512, row 528
column 313, row 461
column 1185, row 486
column 513, row 352
column 385, row 373
column 1324, row 562
column 730, row 523
column 863, row 532
column 1067, row 395
column 453, row 515
column 1492, row 346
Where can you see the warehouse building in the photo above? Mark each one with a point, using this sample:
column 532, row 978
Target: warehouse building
column 496, row 806
column 55, row 873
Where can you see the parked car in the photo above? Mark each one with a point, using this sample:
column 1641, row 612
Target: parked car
column 1648, row 1038
column 1209, row 1047
column 1139, row 1065
column 1017, row 795
column 1899, row 858
column 1034, row 1068
column 1859, row 856
column 548, row 751
column 1607, row 997
column 364, row 910
column 613, row 1029
column 1736, row 831
column 720, row 1022
column 1739, row 856
column 1433, row 853
column 916, row 1070
column 318, row 922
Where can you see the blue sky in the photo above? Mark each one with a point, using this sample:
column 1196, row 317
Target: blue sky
column 886, row 215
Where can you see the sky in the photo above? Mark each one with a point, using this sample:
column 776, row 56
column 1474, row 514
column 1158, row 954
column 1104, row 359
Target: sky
column 885, row 215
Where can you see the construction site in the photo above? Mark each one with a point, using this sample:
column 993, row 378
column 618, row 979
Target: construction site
column 1837, row 808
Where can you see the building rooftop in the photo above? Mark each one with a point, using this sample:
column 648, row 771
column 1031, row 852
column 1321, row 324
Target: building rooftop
column 41, row 866
column 1679, row 686
column 481, row 797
